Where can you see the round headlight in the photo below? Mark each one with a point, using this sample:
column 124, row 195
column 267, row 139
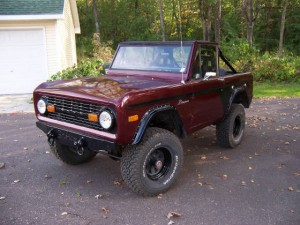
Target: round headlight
column 106, row 120
column 42, row 106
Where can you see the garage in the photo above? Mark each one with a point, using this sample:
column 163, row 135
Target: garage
column 37, row 40
column 23, row 62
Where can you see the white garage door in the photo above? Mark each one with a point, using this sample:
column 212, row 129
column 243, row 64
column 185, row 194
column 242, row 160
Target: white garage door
column 22, row 60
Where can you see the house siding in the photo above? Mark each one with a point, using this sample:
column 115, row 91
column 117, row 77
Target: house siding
column 67, row 36
column 50, row 35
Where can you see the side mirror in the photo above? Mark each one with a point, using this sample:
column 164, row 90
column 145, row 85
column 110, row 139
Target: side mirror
column 209, row 74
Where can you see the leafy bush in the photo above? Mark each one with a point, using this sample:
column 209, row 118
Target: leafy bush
column 103, row 50
column 266, row 67
column 86, row 67
column 271, row 68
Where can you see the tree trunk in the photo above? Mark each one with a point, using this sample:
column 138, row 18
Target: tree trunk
column 250, row 23
column 162, row 23
column 250, row 15
column 113, row 21
column 205, row 11
column 203, row 19
column 176, row 19
column 208, row 23
column 218, row 22
column 96, row 21
column 282, row 28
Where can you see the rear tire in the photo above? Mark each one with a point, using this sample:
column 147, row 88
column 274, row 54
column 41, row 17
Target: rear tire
column 152, row 166
column 69, row 156
column 231, row 130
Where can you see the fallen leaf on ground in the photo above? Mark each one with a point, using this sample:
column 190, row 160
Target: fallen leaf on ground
column 47, row 177
column 2, row 165
column 210, row 186
column 160, row 196
column 105, row 212
column 224, row 177
column 118, row 182
column 173, row 214
column 63, row 182
column 291, row 189
column 224, row 157
column 200, row 176
column 98, row 196
column 203, row 157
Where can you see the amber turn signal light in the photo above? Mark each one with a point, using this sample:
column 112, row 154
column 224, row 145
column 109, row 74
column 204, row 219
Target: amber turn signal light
column 133, row 118
column 51, row 108
column 93, row 117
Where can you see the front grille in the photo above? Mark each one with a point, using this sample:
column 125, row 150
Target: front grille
column 74, row 112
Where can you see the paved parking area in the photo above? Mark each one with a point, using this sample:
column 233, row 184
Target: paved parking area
column 256, row 183
column 16, row 103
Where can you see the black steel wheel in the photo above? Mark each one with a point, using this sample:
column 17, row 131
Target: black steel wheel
column 158, row 163
column 152, row 166
column 69, row 155
column 231, row 130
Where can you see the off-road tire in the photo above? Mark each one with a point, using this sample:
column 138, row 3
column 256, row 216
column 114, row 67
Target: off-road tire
column 152, row 166
column 231, row 130
column 69, row 156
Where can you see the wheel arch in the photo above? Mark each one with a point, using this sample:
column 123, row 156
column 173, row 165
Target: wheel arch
column 165, row 117
column 238, row 96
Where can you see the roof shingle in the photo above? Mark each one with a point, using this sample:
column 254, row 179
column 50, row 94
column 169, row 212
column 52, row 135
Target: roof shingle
column 31, row 7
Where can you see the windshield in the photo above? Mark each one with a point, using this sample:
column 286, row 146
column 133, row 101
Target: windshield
column 166, row 58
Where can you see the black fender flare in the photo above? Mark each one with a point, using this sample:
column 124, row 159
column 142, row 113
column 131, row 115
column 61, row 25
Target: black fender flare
column 150, row 114
column 236, row 91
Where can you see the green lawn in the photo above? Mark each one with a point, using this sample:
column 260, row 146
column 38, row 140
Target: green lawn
column 280, row 90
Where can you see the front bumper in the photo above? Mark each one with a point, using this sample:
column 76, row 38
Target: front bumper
column 76, row 140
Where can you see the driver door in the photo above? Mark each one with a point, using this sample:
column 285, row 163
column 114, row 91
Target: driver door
column 207, row 87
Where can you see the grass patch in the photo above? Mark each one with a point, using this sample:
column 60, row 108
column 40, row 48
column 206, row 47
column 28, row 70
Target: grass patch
column 279, row 90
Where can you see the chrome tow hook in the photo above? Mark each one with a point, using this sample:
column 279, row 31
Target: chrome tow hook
column 51, row 136
column 79, row 146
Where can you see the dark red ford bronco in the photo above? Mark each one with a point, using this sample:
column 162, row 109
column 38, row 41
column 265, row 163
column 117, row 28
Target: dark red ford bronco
column 154, row 94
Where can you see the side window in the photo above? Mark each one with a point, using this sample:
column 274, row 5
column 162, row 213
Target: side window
column 205, row 62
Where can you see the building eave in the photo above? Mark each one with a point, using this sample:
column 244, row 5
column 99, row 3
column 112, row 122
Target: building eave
column 75, row 16
column 31, row 17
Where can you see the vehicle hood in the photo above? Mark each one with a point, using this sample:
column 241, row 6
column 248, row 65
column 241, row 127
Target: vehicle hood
column 108, row 87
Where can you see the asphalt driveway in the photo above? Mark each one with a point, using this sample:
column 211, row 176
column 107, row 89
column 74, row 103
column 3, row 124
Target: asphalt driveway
column 256, row 183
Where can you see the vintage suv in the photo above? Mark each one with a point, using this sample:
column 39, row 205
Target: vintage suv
column 154, row 94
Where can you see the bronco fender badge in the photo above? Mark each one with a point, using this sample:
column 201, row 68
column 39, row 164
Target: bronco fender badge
column 181, row 102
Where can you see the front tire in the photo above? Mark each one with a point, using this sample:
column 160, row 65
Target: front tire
column 69, row 155
column 152, row 166
column 231, row 130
